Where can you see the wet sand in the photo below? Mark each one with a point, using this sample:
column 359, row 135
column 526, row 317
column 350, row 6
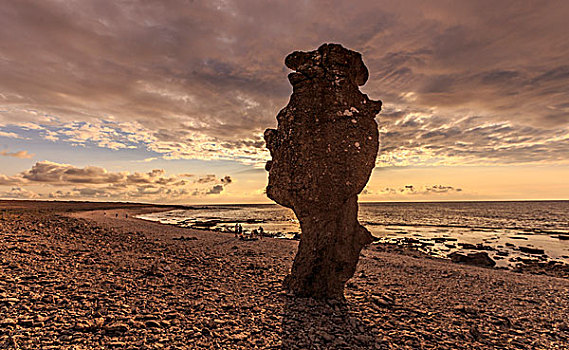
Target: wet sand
column 73, row 278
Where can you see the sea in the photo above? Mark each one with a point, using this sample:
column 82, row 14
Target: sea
column 507, row 230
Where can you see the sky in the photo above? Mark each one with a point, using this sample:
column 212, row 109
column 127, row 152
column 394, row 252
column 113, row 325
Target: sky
column 166, row 101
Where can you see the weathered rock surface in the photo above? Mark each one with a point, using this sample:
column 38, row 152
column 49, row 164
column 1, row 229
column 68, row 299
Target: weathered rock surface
column 323, row 152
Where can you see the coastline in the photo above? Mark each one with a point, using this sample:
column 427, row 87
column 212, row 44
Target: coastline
column 528, row 248
column 98, row 279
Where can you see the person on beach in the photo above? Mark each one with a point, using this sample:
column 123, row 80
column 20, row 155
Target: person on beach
column 261, row 232
column 236, row 230
column 254, row 233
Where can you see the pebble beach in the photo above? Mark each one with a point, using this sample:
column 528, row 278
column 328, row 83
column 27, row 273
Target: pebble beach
column 91, row 276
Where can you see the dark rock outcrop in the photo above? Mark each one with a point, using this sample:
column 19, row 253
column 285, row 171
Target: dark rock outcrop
column 476, row 259
column 323, row 152
column 531, row 250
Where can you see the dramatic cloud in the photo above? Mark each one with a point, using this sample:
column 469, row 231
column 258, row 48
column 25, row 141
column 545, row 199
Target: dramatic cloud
column 19, row 154
column 428, row 139
column 97, row 182
column 475, row 82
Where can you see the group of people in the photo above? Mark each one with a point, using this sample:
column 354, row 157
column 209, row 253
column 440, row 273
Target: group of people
column 116, row 215
column 253, row 235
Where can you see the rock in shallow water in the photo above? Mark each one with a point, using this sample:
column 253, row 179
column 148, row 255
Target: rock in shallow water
column 476, row 259
column 531, row 250
column 323, row 152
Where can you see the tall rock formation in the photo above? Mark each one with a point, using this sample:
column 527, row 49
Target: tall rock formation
column 323, row 152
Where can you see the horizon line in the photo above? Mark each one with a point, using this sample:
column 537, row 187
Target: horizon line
column 273, row 203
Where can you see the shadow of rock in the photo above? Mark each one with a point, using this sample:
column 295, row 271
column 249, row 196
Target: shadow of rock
column 315, row 324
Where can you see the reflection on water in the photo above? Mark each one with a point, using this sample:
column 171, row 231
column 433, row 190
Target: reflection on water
column 499, row 228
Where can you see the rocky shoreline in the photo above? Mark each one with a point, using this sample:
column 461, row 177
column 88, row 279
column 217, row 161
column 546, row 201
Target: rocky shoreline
column 84, row 276
column 536, row 263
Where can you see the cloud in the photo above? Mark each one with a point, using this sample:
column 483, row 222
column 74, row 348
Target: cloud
column 9, row 134
column 425, row 138
column 146, row 160
column 217, row 189
column 442, row 189
column 10, row 180
column 206, row 179
column 97, row 182
column 19, row 193
column 55, row 173
column 19, row 154
column 424, row 190
column 203, row 79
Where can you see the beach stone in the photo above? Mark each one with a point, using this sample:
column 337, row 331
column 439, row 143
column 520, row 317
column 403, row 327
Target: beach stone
column 26, row 322
column 10, row 300
column 152, row 324
column 8, row 322
column 323, row 152
column 475, row 259
column 117, row 328
column 382, row 301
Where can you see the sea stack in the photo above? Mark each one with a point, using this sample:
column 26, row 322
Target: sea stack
column 323, row 152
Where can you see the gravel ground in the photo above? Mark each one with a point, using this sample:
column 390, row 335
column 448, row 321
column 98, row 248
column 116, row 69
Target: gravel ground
column 76, row 279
